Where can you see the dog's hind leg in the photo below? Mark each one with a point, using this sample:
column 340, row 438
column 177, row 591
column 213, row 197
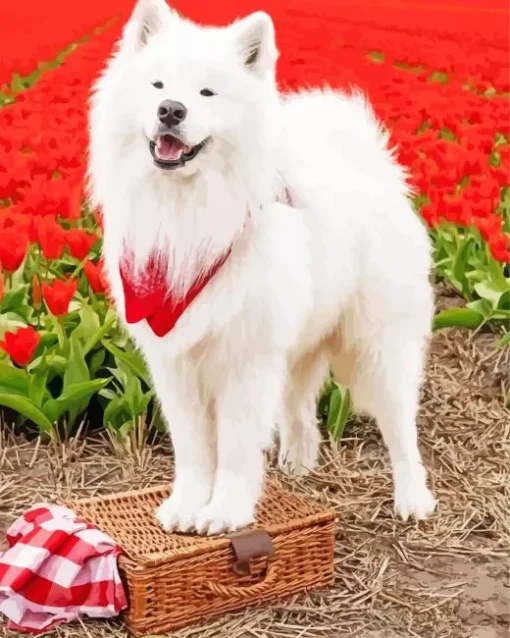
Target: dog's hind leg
column 385, row 383
column 299, row 432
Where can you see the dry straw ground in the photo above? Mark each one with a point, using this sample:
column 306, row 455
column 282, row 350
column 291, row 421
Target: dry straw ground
column 446, row 577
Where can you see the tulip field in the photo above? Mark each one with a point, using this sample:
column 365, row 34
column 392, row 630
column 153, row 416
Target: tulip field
column 437, row 76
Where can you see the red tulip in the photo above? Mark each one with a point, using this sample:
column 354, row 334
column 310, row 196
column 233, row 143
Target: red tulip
column 13, row 248
column 80, row 242
column 14, row 219
column 489, row 226
column 2, row 285
column 71, row 206
column 21, row 345
column 499, row 247
column 95, row 276
column 51, row 238
column 58, row 295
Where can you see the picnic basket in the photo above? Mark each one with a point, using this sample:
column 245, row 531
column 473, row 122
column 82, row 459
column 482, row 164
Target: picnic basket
column 176, row 580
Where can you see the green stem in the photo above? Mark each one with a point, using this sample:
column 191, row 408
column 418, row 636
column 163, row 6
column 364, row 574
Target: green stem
column 61, row 334
column 78, row 269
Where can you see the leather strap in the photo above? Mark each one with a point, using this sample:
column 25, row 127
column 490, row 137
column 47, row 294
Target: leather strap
column 248, row 545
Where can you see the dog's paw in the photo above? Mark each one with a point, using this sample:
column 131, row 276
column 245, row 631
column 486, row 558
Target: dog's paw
column 219, row 518
column 299, row 456
column 291, row 462
column 231, row 507
column 178, row 512
column 414, row 499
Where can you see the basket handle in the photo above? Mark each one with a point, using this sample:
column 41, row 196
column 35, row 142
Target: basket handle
column 233, row 591
column 246, row 545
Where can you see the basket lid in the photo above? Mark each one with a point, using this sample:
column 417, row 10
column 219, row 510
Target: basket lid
column 129, row 519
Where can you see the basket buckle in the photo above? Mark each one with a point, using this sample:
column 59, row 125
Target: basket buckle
column 249, row 544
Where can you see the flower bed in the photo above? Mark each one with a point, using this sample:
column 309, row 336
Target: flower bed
column 37, row 33
column 441, row 89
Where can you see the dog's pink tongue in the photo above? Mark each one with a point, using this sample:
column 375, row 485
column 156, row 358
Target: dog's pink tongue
column 169, row 148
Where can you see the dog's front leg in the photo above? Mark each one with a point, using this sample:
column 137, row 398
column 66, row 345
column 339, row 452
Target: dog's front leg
column 246, row 410
column 192, row 433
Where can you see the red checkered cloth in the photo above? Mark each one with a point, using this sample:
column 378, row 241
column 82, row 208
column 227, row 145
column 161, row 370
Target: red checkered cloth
column 57, row 568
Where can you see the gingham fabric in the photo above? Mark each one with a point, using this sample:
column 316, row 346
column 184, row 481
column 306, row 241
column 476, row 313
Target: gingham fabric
column 57, row 567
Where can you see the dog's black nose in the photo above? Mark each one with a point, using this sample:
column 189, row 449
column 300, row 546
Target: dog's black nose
column 171, row 113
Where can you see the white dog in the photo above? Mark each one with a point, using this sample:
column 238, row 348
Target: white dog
column 251, row 241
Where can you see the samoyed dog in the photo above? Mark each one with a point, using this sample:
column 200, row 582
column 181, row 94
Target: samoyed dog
column 252, row 242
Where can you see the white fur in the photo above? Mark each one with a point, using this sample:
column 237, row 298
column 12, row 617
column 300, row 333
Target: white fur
column 339, row 278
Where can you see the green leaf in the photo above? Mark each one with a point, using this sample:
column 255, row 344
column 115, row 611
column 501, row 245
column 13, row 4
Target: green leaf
column 13, row 379
column 113, row 414
column 500, row 315
column 504, row 341
column 95, row 338
column 79, row 391
column 120, row 338
column 96, row 361
column 482, row 306
column 76, row 369
column 14, row 300
column 459, row 267
column 489, row 291
column 158, row 420
column 126, row 428
column 6, row 389
column 458, row 318
column 335, row 403
column 134, row 395
column 10, row 322
column 497, row 274
column 339, row 412
column 24, row 407
column 52, row 410
column 504, row 301
column 120, row 374
column 72, row 319
column 38, row 383
column 89, row 324
column 76, row 373
column 147, row 398
column 74, row 399
column 345, row 413
column 57, row 363
column 131, row 388
column 49, row 339
column 108, row 394
column 132, row 359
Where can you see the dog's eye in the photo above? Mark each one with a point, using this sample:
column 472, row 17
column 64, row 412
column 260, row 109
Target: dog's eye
column 207, row 92
column 158, row 84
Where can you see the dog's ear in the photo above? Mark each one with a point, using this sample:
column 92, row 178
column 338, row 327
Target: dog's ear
column 149, row 18
column 255, row 40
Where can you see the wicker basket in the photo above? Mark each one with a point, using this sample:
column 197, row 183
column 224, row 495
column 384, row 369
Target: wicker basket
column 175, row 580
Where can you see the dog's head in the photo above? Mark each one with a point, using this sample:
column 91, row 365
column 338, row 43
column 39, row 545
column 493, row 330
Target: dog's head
column 193, row 93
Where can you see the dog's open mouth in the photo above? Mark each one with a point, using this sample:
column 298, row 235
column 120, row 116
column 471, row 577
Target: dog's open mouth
column 169, row 152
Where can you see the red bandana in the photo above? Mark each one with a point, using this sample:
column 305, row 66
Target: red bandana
column 149, row 297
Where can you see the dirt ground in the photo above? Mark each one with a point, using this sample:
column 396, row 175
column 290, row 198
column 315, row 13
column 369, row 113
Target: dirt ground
column 448, row 576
